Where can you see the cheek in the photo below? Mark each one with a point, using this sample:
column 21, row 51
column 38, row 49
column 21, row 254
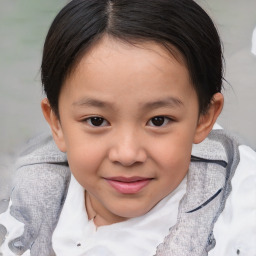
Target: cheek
column 174, row 154
column 85, row 161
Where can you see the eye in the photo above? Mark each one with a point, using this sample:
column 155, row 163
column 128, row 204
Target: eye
column 96, row 121
column 159, row 121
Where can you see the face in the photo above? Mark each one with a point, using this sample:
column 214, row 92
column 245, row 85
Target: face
column 128, row 118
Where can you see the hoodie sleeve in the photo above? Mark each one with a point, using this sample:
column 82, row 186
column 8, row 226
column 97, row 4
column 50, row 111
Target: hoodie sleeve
column 40, row 150
column 41, row 180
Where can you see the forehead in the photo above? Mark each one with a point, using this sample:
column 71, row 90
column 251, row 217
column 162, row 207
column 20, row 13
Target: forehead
column 119, row 50
column 115, row 68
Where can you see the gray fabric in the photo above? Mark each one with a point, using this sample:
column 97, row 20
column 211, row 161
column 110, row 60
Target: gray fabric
column 7, row 172
column 207, row 179
column 43, row 178
column 37, row 200
column 40, row 149
column 3, row 232
column 39, row 193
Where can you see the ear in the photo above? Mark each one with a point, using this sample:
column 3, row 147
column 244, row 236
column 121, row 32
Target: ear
column 208, row 119
column 54, row 123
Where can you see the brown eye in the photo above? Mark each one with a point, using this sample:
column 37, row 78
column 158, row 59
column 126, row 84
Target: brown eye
column 159, row 121
column 96, row 121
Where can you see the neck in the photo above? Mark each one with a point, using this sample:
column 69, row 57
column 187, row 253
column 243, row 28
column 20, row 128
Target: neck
column 100, row 215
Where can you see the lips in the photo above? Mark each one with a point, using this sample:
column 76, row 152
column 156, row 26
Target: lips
column 130, row 185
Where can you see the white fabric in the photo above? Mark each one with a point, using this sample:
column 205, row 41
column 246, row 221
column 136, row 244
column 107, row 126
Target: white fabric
column 14, row 228
column 217, row 127
column 235, row 230
column 254, row 42
column 76, row 236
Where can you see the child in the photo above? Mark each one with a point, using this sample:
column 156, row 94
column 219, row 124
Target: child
column 131, row 85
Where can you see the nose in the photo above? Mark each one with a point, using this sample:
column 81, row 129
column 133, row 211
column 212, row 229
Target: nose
column 127, row 149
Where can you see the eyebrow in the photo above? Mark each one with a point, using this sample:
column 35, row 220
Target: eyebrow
column 165, row 102
column 171, row 102
column 91, row 102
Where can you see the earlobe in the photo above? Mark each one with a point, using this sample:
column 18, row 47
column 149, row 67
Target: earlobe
column 54, row 124
column 208, row 119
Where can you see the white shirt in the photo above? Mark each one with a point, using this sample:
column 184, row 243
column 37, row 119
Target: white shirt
column 76, row 235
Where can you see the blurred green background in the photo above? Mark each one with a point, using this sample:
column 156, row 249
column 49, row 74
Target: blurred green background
column 23, row 27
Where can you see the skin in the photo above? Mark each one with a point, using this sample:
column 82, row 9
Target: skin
column 128, row 86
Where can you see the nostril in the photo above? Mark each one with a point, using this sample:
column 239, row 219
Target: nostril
column 127, row 157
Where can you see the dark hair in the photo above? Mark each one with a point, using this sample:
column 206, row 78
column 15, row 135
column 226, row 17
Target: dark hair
column 179, row 23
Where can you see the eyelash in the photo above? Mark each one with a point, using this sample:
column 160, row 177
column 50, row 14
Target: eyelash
column 103, row 122
column 90, row 119
column 166, row 120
